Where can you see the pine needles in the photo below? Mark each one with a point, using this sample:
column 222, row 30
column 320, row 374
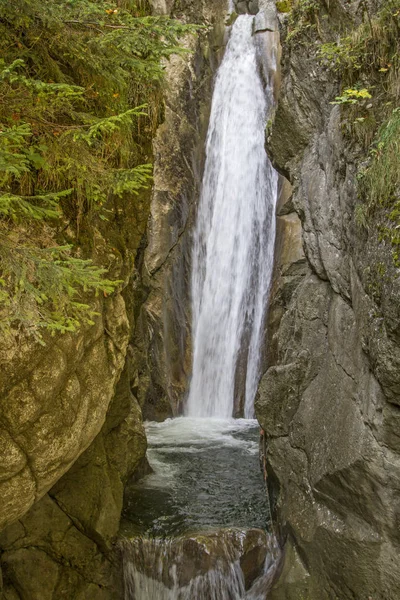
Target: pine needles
column 80, row 87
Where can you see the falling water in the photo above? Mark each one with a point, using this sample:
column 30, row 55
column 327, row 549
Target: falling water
column 234, row 234
column 188, row 569
column 187, row 523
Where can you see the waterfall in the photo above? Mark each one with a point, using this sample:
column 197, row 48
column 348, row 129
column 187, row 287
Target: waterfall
column 234, row 235
column 155, row 568
column 195, row 526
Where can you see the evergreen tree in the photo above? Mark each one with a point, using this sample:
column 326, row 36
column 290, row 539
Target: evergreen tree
column 80, row 85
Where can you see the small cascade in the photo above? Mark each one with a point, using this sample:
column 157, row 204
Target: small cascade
column 195, row 527
column 213, row 567
column 169, row 570
column 234, row 235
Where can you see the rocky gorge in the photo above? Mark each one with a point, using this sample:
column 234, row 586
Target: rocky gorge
column 72, row 411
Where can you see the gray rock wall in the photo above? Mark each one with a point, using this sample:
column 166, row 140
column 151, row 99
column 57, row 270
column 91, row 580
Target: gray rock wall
column 328, row 402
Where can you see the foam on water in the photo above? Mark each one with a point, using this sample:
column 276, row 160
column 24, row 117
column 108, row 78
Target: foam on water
column 205, row 474
column 191, row 431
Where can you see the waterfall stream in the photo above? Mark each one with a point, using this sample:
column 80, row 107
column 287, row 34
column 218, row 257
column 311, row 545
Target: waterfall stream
column 195, row 528
column 234, row 235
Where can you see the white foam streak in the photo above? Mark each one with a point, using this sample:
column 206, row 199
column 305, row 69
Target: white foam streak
column 186, row 435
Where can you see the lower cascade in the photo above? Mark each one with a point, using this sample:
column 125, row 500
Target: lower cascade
column 195, row 527
column 187, row 569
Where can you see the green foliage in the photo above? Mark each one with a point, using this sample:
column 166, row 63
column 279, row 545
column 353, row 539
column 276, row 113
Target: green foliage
column 39, row 207
column 352, row 96
column 70, row 79
column 42, row 288
column 369, row 58
column 302, row 17
column 368, row 62
column 80, row 89
column 376, row 277
column 361, row 216
column 380, row 181
column 371, row 50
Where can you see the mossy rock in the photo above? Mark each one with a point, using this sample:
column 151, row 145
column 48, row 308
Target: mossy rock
column 284, row 6
column 231, row 19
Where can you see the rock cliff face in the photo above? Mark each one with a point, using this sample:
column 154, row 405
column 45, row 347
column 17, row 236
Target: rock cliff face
column 71, row 434
column 54, row 402
column 70, row 421
column 329, row 401
column 162, row 346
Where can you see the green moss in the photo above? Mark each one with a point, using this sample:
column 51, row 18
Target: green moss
column 231, row 19
column 285, row 6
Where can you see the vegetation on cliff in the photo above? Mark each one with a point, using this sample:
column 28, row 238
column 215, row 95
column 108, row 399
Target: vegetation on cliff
column 366, row 56
column 369, row 59
column 80, row 87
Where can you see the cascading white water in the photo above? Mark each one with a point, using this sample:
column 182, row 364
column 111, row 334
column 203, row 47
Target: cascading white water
column 198, row 518
column 159, row 569
column 234, row 234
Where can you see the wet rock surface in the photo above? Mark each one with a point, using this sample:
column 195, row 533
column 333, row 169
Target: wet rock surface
column 328, row 400
column 199, row 565
column 197, row 554
column 243, row 7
